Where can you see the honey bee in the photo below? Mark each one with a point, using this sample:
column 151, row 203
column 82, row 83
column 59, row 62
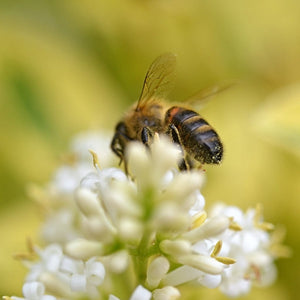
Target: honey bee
column 199, row 142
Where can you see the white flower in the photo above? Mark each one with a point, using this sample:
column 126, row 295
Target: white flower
column 249, row 247
column 150, row 229
column 80, row 276
column 141, row 293
column 34, row 291
column 135, row 213
column 84, row 277
column 50, row 260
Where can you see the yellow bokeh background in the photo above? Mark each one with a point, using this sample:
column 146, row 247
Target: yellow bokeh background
column 68, row 66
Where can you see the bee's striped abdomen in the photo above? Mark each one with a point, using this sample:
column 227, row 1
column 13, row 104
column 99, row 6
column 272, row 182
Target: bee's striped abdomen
column 199, row 139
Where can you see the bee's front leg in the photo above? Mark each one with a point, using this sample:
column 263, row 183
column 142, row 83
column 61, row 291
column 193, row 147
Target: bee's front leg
column 119, row 151
column 119, row 143
column 116, row 147
column 146, row 135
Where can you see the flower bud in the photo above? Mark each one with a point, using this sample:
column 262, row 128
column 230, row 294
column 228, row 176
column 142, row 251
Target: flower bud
column 97, row 228
column 175, row 248
column 203, row 263
column 117, row 262
column 156, row 270
column 130, row 230
column 88, row 202
column 209, row 229
column 168, row 217
column 166, row 293
column 140, row 293
column 181, row 275
column 83, row 249
column 183, row 185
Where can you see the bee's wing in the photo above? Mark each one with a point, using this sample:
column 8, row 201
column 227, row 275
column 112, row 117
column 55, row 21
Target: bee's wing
column 159, row 79
column 199, row 98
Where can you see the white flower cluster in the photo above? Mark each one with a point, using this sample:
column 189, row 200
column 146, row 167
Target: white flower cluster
column 139, row 237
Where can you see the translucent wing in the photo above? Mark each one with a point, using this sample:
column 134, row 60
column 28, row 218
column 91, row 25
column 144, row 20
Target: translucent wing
column 198, row 99
column 159, row 79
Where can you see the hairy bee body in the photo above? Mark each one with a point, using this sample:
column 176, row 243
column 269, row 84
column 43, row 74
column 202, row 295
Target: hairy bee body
column 198, row 140
column 150, row 115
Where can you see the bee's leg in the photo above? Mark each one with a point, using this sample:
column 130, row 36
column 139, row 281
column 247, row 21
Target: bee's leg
column 184, row 163
column 116, row 147
column 146, row 135
column 118, row 150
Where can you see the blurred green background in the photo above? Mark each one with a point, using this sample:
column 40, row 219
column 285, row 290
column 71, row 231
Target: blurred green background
column 68, row 66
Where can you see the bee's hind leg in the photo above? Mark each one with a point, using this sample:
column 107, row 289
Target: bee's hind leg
column 184, row 163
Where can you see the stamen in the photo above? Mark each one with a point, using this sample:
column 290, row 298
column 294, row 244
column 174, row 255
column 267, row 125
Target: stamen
column 278, row 235
column 234, row 225
column 198, row 219
column 39, row 196
column 29, row 245
column 223, row 260
column 265, row 226
column 29, row 255
column 258, row 217
column 277, row 248
column 95, row 159
column 23, row 256
column 216, row 249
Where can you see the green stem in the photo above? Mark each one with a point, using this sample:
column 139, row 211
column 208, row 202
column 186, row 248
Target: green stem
column 141, row 258
column 145, row 249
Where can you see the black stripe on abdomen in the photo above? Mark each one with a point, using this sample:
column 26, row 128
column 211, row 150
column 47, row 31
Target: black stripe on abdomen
column 191, row 124
column 181, row 115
